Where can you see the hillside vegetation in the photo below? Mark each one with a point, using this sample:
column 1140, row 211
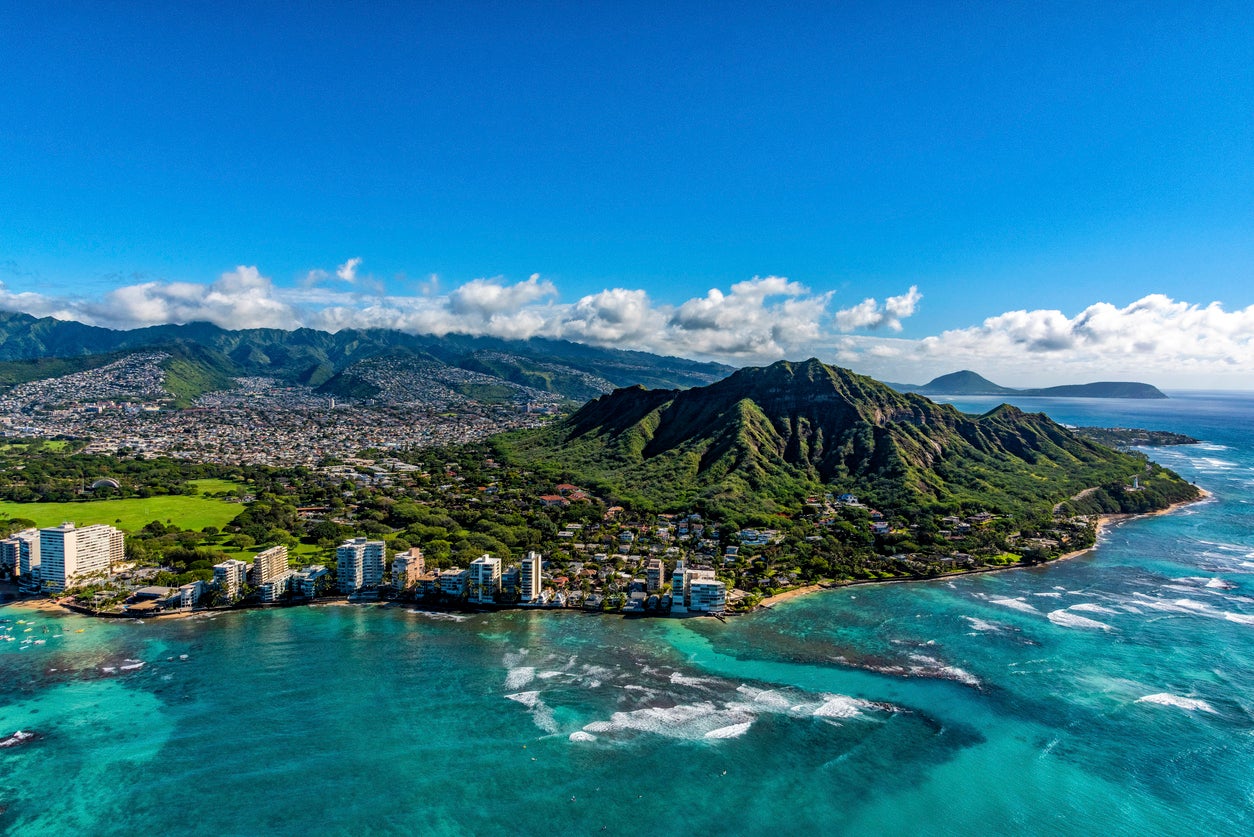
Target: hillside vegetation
column 769, row 438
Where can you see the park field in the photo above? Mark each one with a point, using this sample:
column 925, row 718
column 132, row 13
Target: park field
column 185, row 511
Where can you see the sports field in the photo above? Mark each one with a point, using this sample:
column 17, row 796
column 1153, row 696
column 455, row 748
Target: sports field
column 185, row 511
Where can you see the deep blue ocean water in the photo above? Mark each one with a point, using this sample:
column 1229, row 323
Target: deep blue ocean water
column 1109, row 694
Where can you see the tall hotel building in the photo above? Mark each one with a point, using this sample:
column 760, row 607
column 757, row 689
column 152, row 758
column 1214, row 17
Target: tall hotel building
column 484, row 579
column 529, row 580
column 68, row 555
column 269, row 565
column 230, row 577
column 359, row 564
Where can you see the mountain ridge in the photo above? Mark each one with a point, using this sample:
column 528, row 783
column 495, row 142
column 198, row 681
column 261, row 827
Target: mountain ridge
column 769, row 437
column 313, row 358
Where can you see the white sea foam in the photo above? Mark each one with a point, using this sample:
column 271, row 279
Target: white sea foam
column 519, row 677
column 549, row 675
column 1015, row 604
column 440, row 615
column 1168, row 699
column 686, row 721
column 680, row 679
column 527, row 699
column 983, row 625
column 932, row 667
column 1089, row 607
column 764, row 699
column 1049, row 595
column 729, row 731
column 1066, row 619
column 582, row 736
column 541, row 713
column 839, row 706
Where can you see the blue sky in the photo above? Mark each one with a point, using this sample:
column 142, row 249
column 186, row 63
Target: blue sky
column 726, row 181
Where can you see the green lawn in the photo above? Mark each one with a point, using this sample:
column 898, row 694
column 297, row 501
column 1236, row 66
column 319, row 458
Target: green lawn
column 186, row 511
column 303, row 554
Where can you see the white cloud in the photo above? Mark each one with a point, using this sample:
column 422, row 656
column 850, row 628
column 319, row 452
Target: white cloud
column 761, row 317
column 1155, row 339
column 348, row 270
column 870, row 314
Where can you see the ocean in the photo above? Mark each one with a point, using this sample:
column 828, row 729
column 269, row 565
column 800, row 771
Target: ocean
column 1109, row 694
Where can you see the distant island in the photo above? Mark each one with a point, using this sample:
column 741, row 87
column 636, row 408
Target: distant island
column 967, row 382
column 1124, row 437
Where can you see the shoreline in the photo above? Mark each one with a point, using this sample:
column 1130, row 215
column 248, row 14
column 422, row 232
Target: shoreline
column 58, row 607
column 1103, row 521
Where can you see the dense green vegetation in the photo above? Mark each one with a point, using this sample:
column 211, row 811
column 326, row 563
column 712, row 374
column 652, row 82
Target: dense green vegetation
column 312, row 357
column 36, row 470
column 1117, row 437
column 192, row 371
column 769, row 439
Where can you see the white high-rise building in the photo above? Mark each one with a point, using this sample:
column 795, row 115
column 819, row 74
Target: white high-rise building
column 704, row 592
column 69, row 555
column 530, row 581
column 269, row 565
column 697, row 590
column 28, row 559
column 677, row 586
column 359, row 564
column 484, row 579
column 230, row 577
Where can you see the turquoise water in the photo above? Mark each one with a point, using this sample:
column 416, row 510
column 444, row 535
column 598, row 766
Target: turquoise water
column 1109, row 694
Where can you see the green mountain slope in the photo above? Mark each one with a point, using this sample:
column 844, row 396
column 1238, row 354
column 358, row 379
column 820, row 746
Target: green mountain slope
column 766, row 438
column 191, row 371
column 312, row 357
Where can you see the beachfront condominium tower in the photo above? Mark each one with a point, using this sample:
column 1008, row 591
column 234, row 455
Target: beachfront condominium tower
column 529, row 580
column 704, row 592
column 270, row 565
column 484, row 579
column 230, row 577
column 407, row 567
column 654, row 575
column 359, row 564
column 69, row 555
column 19, row 553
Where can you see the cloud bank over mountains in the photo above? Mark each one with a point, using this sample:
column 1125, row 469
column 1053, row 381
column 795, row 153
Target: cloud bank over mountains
column 1155, row 338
